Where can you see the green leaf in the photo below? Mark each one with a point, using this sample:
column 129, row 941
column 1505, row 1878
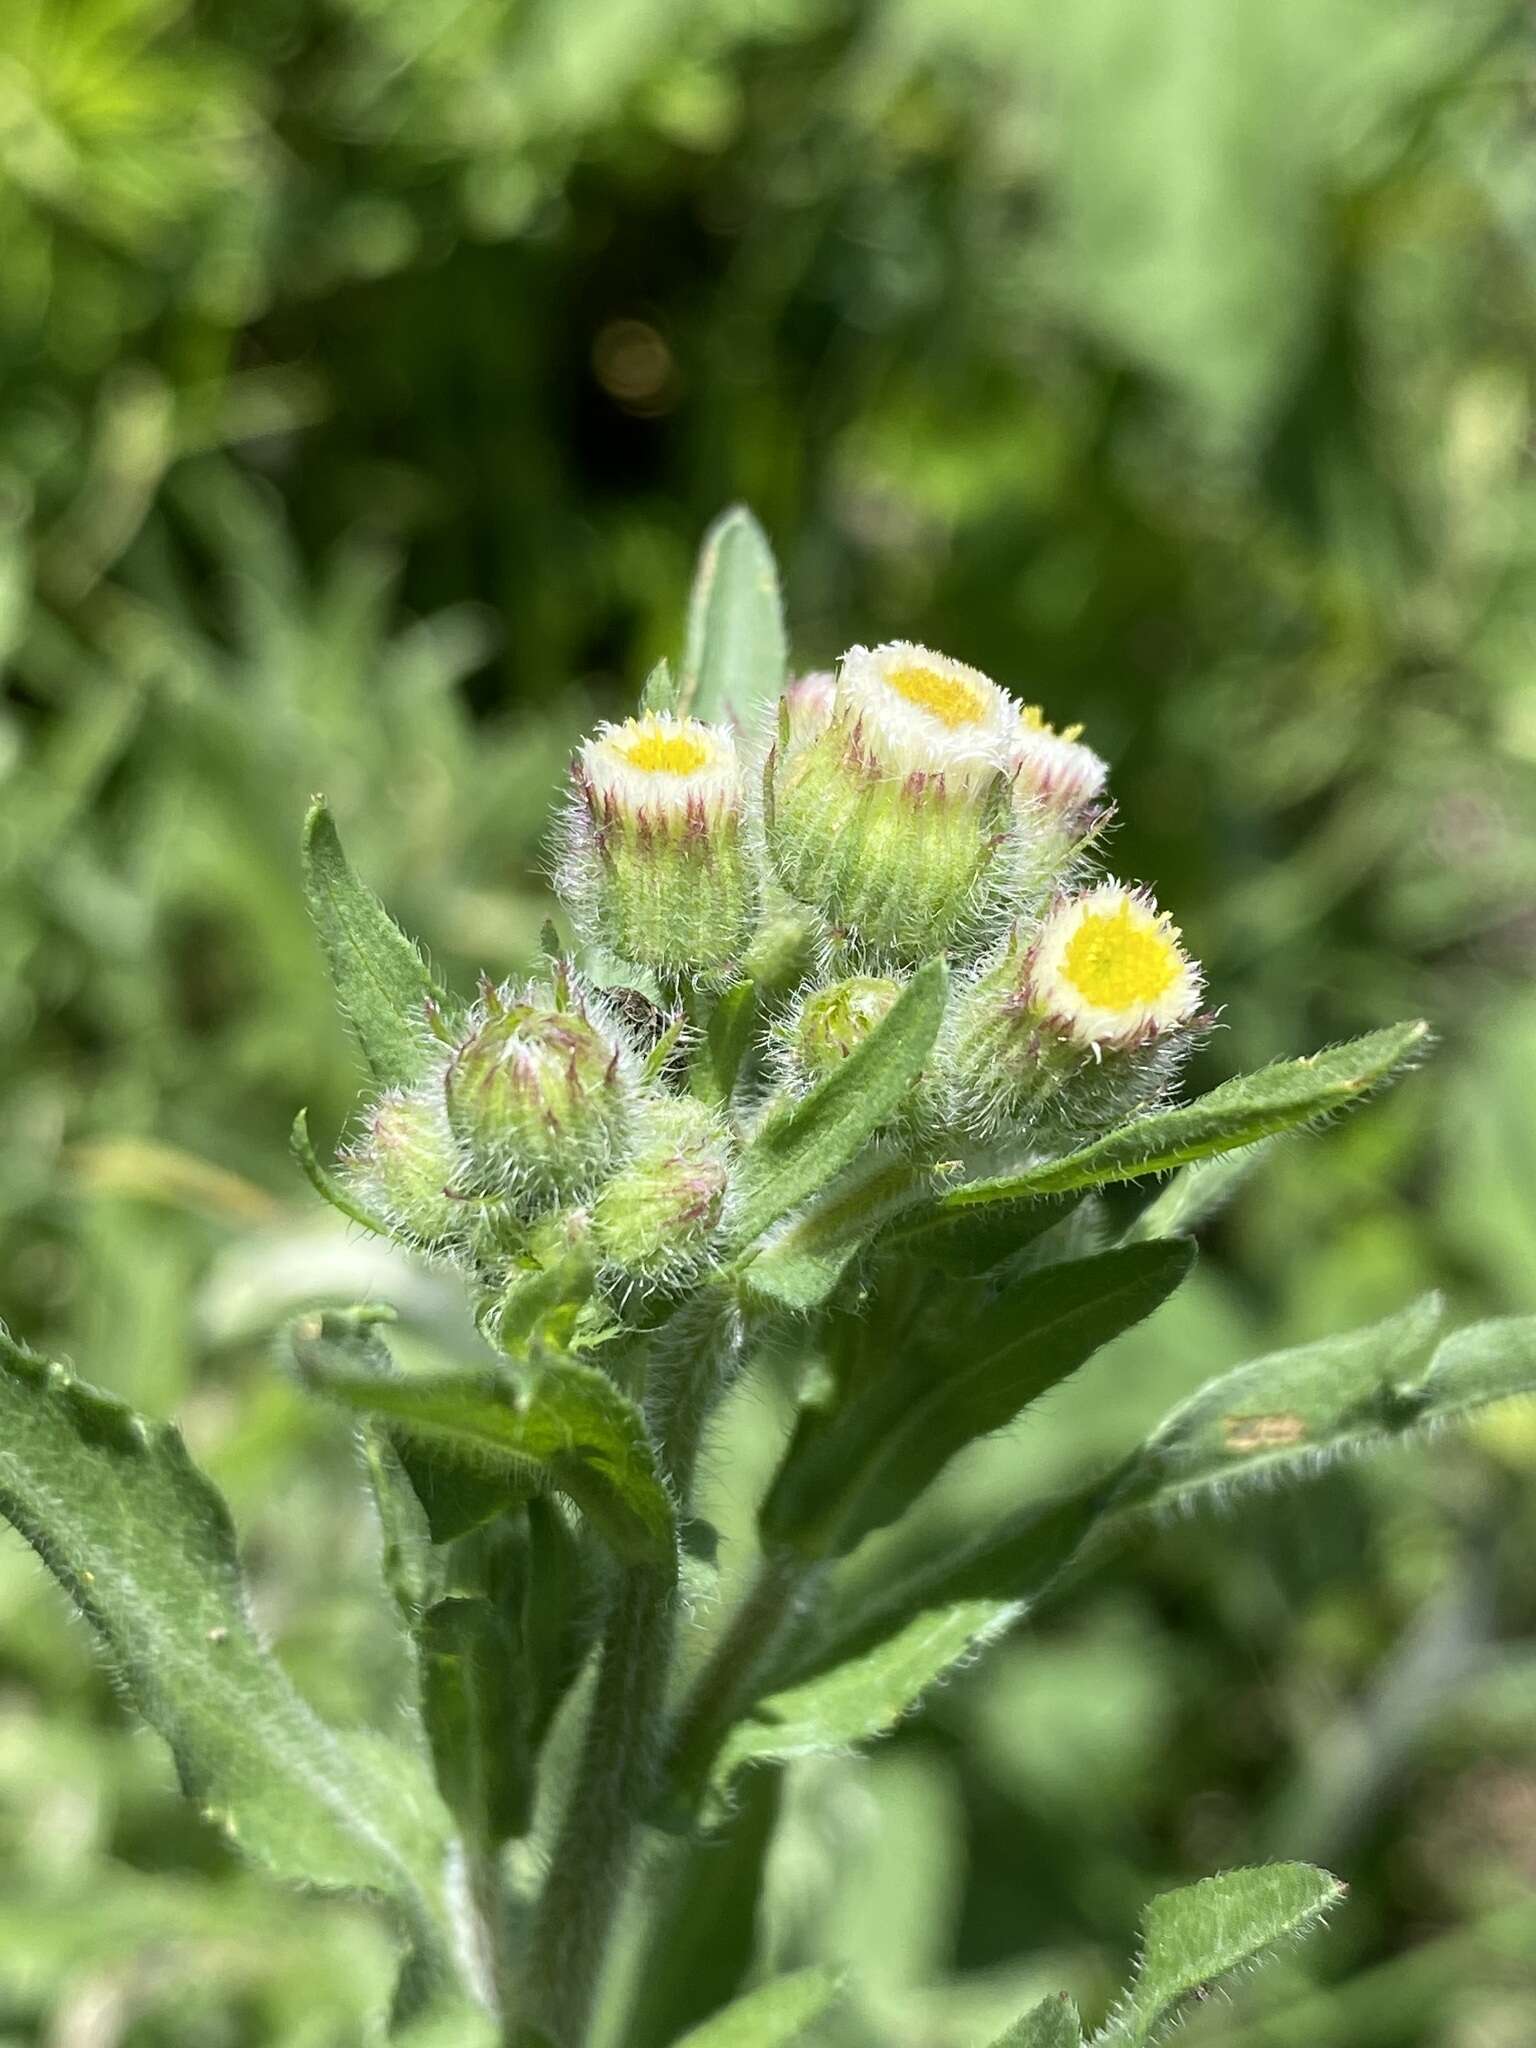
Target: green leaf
column 862, row 1466
column 800, row 1149
column 1053, row 2023
column 863, row 1697
column 970, row 1242
column 660, row 691
column 1193, row 1936
column 325, row 1184
column 453, row 1494
column 702, row 1934
column 773, row 2016
column 1288, row 1412
column 550, row 1421
column 380, row 978
column 735, row 655
column 143, row 1544
column 728, row 1039
column 1239, row 1112
column 800, row 1265
column 474, row 1708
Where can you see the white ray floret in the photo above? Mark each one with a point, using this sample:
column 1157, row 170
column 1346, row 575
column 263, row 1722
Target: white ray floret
column 1109, row 968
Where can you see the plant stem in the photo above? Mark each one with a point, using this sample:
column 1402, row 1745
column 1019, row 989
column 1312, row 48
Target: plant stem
column 615, row 1778
column 724, row 1685
column 612, row 1785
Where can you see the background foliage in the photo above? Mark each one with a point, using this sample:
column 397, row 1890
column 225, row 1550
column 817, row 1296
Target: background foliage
column 369, row 372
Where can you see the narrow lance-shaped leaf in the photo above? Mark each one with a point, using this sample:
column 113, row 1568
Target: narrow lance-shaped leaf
column 473, row 1706
column 552, row 1421
column 734, row 660
column 1053, row 2023
column 799, row 1150
column 772, row 2016
column 143, row 1544
column 801, row 1264
column 1194, row 1936
column 858, row 1700
column 380, row 978
column 1285, row 1413
column 1239, row 1112
column 863, row 1467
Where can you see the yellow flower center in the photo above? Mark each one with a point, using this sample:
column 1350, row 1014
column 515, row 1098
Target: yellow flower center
column 951, row 700
column 1117, row 961
column 656, row 752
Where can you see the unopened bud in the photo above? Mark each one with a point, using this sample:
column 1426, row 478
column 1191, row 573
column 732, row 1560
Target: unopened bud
column 888, row 811
column 405, row 1167
column 538, row 1096
column 830, row 1023
column 1079, row 1024
column 654, row 1219
column 655, row 862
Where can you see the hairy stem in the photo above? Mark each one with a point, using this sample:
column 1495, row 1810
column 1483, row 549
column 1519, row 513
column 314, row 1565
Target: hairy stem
column 616, row 1777
column 612, row 1786
column 724, row 1686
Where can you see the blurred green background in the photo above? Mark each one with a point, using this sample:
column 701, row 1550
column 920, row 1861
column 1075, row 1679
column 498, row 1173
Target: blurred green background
column 368, row 372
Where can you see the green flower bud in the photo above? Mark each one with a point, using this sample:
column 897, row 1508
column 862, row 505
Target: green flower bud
column 829, row 1023
column 539, row 1096
column 653, row 1221
column 1075, row 1026
column 887, row 802
column 656, row 866
column 405, row 1169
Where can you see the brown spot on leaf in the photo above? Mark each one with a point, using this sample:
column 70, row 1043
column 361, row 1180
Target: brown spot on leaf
column 1244, row 1433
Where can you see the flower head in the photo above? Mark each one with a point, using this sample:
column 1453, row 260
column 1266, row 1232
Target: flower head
column 654, row 864
column 654, row 1220
column 1077, row 1023
column 887, row 804
column 539, row 1094
column 1109, row 966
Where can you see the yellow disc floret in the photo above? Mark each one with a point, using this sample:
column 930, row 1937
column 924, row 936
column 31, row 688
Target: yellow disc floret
column 655, row 751
column 1114, row 961
column 953, row 699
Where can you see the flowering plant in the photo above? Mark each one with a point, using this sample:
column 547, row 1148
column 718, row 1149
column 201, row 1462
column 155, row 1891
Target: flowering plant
column 850, row 1030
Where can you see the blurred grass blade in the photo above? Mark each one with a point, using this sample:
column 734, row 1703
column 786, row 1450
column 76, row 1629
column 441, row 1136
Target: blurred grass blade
column 1053, row 2023
column 144, row 1546
column 1198, row 1934
column 772, row 2016
column 1239, row 1112
column 862, row 1467
column 799, row 1150
column 552, row 1422
column 735, row 655
column 380, row 978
